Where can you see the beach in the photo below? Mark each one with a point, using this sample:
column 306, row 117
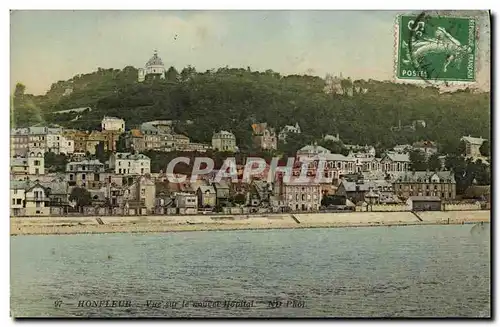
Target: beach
column 159, row 224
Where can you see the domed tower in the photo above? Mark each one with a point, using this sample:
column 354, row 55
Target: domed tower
column 154, row 68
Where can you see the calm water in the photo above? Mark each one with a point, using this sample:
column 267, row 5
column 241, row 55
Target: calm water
column 354, row 272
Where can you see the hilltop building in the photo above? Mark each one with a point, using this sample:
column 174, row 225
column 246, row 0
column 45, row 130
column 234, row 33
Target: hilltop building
column 154, row 69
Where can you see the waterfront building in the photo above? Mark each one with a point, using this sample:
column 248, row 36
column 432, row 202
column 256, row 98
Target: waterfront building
column 425, row 183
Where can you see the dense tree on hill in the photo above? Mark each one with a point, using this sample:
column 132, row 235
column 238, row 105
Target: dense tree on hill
column 232, row 99
column 417, row 161
column 485, row 149
column 433, row 162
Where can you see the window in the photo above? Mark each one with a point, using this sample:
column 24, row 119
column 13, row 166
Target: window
column 37, row 162
column 119, row 171
column 83, row 176
column 58, row 138
column 15, row 191
column 142, row 170
column 129, row 163
column 19, row 201
column 38, row 204
column 449, row 195
column 13, row 201
column 119, row 163
column 143, row 191
column 70, row 177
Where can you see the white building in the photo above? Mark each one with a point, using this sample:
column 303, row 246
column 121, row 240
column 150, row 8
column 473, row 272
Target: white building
column 154, row 68
column 287, row 130
column 395, row 162
column 310, row 151
column 472, row 146
column 57, row 143
column 299, row 196
column 124, row 163
column 36, row 138
column 37, row 201
column 17, row 197
column 224, row 141
column 33, row 164
column 112, row 124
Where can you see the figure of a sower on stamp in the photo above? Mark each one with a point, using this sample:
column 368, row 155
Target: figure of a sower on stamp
column 442, row 43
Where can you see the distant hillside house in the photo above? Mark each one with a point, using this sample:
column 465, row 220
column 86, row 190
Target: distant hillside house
column 427, row 147
column 264, row 137
column 112, row 124
column 287, row 130
column 154, row 69
column 224, row 141
column 472, row 146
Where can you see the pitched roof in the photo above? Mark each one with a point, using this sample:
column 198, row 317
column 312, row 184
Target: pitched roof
column 404, row 157
column 136, row 133
column 424, row 176
column 473, row 140
column 130, row 156
column 205, row 188
column 17, row 185
column 313, row 149
column 18, row 162
column 365, row 186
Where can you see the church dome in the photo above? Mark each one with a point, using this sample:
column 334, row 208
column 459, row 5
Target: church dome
column 155, row 60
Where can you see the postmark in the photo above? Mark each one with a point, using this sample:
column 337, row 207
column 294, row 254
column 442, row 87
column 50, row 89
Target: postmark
column 436, row 48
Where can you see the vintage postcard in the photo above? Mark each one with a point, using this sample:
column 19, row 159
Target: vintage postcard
column 250, row 164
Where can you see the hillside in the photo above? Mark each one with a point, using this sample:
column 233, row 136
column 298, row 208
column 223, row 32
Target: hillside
column 232, row 99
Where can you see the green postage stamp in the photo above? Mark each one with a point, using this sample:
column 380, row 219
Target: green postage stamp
column 436, row 48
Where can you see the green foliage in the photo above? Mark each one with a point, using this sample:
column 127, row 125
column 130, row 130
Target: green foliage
column 466, row 171
column 417, row 161
column 239, row 198
column 334, row 147
column 101, row 154
column 233, row 99
column 55, row 162
column 433, row 162
column 485, row 149
column 81, row 196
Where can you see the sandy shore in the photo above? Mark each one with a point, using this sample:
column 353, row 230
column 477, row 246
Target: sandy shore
column 161, row 224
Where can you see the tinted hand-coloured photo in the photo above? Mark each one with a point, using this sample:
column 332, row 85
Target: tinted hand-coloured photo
column 250, row 164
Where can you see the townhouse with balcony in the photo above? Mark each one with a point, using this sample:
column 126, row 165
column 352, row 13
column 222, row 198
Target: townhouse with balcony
column 27, row 167
column 86, row 173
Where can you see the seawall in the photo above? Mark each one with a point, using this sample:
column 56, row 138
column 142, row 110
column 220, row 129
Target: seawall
column 159, row 224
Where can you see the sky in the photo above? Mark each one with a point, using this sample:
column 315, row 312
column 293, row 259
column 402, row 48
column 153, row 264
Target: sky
column 48, row 46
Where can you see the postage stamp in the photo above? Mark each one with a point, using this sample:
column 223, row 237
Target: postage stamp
column 436, row 48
